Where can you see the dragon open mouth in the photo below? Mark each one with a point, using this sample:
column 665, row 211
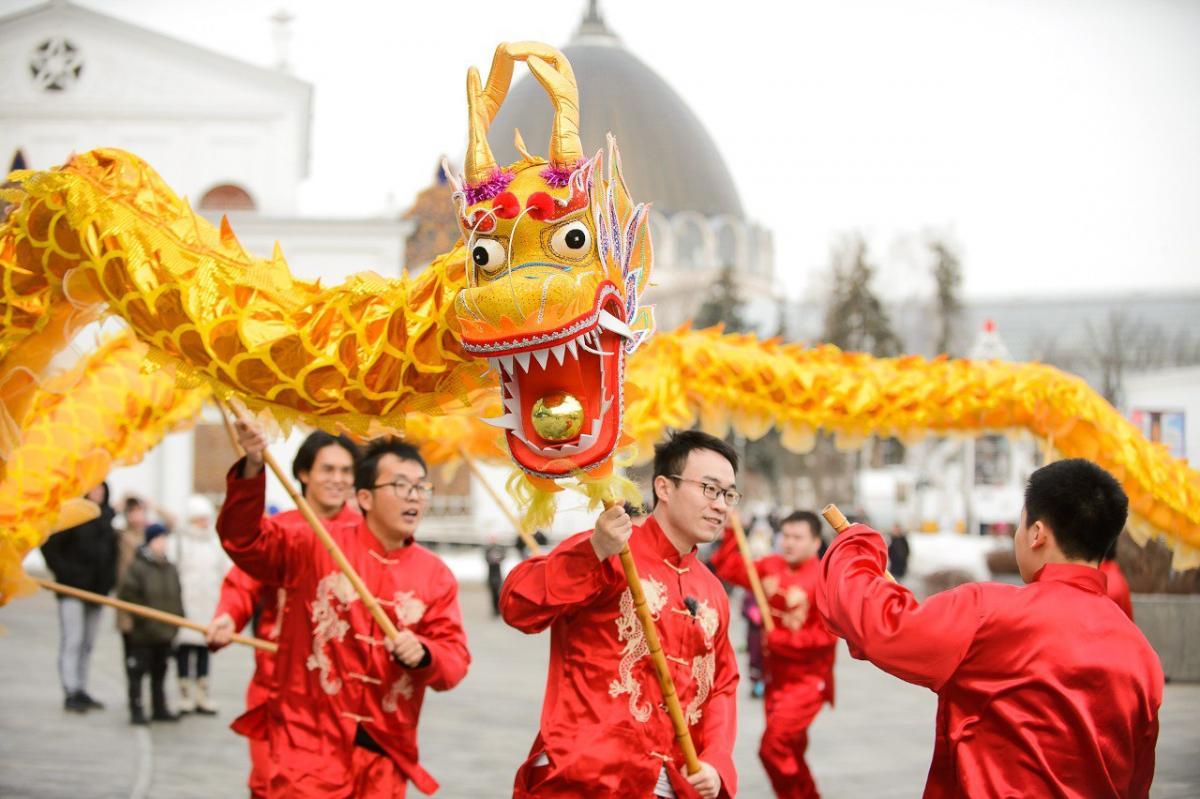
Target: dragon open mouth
column 575, row 382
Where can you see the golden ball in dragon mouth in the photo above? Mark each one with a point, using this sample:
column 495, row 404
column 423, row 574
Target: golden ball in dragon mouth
column 558, row 416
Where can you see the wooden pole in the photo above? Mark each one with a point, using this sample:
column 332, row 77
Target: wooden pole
column 149, row 613
column 529, row 540
column 233, row 441
column 756, row 588
column 674, row 710
column 837, row 520
column 335, row 552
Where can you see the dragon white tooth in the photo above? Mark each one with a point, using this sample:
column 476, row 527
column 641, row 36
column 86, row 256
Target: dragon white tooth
column 541, row 356
column 523, row 360
column 507, row 362
column 572, row 349
column 508, row 421
column 560, row 352
column 610, row 322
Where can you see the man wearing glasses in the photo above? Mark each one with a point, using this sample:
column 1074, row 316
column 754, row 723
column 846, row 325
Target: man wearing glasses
column 605, row 731
column 344, row 720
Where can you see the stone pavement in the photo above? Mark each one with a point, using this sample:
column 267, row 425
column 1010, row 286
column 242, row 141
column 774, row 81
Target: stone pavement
column 876, row 743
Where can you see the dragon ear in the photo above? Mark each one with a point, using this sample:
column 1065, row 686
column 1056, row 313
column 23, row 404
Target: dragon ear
column 616, row 183
column 641, row 251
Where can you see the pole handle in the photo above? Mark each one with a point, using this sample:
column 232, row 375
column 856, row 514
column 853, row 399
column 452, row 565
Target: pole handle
column 149, row 613
column 760, row 597
column 837, row 520
column 682, row 736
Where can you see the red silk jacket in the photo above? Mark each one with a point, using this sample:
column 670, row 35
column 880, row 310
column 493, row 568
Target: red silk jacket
column 1045, row 689
column 332, row 672
column 604, row 726
column 800, row 648
column 245, row 598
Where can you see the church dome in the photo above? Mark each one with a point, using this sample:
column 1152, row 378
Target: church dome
column 667, row 157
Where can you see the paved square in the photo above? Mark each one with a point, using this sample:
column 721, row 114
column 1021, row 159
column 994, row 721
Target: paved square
column 877, row 742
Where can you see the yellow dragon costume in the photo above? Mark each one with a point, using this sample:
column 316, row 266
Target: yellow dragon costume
column 530, row 320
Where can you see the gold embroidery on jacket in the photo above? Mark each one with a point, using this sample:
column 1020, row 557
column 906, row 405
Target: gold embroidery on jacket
column 408, row 607
column 629, row 630
column 709, row 620
column 703, row 669
column 797, row 608
column 402, row 687
column 333, row 591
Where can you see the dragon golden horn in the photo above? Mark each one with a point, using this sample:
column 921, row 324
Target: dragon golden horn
column 554, row 72
column 480, row 162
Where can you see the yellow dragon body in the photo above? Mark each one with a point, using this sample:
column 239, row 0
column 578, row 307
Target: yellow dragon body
column 533, row 319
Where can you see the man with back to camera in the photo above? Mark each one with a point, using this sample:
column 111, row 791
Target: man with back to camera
column 1046, row 689
column 799, row 652
column 605, row 731
column 324, row 465
column 348, row 699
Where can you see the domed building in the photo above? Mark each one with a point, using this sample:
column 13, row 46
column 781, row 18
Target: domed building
column 697, row 222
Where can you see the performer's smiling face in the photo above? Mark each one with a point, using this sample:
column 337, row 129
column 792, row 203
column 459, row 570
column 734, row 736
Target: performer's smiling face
column 328, row 484
column 395, row 505
column 693, row 516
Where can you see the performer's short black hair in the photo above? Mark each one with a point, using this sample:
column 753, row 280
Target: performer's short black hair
column 1083, row 504
column 814, row 521
column 366, row 471
column 671, row 455
column 306, row 456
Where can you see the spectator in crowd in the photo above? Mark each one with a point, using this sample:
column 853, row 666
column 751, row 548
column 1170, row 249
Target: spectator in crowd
column 151, row 580
column 202, row 563
column 82, row 557
column 494, row 554
column 897, row 552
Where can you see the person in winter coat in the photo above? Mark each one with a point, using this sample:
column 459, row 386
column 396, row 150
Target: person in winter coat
column 202, row 563
column 82, row 557
column 151, row 580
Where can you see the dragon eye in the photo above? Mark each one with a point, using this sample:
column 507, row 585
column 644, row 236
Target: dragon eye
column 571, row 241
column 488, row 254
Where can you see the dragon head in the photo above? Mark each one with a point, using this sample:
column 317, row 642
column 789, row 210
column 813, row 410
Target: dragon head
column 557, row 256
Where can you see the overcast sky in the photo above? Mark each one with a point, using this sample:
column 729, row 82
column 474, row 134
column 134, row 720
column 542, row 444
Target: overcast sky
column 1056, row 141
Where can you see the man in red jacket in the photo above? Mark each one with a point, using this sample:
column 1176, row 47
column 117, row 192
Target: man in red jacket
column 605, row 731
column 1116, row 585
column 1043, row 690
column 324, row 465
column 347, row 701
column 798, row 653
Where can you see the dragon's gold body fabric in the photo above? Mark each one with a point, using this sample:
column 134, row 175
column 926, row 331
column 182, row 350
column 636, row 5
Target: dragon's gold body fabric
column 105, row 411
column 533, row 320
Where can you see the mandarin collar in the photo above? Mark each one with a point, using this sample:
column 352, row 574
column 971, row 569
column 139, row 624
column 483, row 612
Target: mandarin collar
column 347, row 515
column 1083, row 576
column 662, row 545
column 370, row 542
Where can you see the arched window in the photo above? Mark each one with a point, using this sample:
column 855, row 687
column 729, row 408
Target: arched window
column 227, row 197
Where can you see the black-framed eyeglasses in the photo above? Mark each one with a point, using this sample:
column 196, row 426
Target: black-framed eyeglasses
column 712, row 491
column 405, row 489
